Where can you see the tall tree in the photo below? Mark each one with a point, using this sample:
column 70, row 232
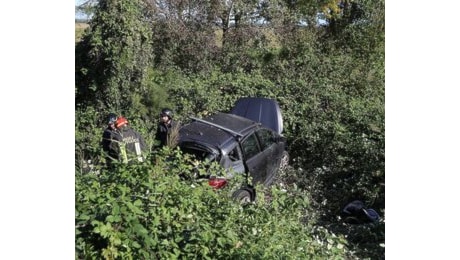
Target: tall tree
column 114, row 56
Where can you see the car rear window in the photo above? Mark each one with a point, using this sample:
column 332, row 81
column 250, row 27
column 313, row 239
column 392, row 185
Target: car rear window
column 199, row 154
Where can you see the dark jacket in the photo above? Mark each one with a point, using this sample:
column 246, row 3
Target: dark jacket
column 163, row 131
column 128, row 144
column 107, row 137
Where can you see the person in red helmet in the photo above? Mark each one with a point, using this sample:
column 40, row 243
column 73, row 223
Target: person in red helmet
column 128, row 143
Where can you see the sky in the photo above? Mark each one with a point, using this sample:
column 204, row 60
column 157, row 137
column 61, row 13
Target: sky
column 421, row 121
column 79, row 15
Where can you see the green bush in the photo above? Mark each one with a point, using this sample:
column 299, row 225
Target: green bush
column 148, row 211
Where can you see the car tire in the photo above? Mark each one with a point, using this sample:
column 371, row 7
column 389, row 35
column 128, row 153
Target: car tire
column 242, row 196
column 284, row 162
column 275, row 172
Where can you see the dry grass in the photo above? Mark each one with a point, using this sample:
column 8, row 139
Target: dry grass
column 173, row 135
column 79, row 29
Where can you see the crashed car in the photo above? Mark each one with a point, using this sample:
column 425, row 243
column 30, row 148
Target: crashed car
column 246, row 141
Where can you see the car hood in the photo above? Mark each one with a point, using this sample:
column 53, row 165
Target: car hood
column 263, row 110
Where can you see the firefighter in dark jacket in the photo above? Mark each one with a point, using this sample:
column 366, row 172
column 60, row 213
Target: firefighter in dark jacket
column 164, row 127
column 107, row 136
column 127, row 143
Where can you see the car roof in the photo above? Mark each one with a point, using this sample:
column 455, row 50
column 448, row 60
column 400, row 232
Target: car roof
column 217, row 130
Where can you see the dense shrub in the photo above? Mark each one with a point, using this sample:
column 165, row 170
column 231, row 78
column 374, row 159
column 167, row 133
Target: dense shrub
column 147, row 211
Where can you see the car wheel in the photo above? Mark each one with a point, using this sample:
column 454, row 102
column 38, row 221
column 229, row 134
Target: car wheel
column 275, row 172
column 242, row 196
column 284, row 162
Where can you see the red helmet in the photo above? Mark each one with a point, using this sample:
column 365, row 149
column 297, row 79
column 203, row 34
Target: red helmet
column 121, row 121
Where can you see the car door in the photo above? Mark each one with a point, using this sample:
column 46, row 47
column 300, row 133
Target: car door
column 233, row 161
column 255, row 161
column 269, row 150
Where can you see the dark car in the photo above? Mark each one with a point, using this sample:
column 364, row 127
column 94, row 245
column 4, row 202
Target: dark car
column 246, row 141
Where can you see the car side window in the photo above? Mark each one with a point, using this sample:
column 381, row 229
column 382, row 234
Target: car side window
column 233, row 154
column 266, row 138
column 250, row 146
